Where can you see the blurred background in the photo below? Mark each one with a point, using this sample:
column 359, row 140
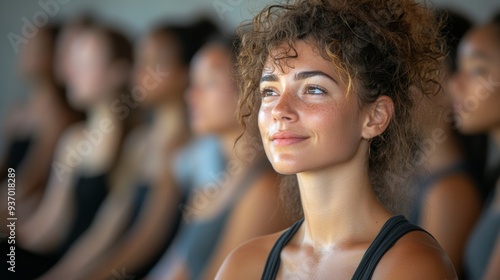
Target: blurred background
column 135, row 17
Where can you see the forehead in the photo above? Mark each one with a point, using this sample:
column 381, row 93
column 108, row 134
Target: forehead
column 214, row 53
column 480, row 43
column 302, row 55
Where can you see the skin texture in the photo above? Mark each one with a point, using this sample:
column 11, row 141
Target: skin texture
column 476, row 93
column 333, row 180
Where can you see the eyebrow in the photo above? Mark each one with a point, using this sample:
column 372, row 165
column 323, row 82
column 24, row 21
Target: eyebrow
column 480, row 55
column 309, row 74
column 298, row 76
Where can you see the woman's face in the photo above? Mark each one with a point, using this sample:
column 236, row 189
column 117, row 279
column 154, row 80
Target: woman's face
column 212, row 96
column 306, row 119
column 475, row 88
column 88, row 80
column 159, row 54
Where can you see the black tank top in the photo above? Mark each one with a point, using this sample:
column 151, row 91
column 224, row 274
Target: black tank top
column 90, row 193
column 392, row 230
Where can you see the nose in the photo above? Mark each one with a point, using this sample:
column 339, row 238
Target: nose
column 285, row 108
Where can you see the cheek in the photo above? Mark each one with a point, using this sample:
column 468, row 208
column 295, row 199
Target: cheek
column 336, row 128
column 223, row 106
column 480, row 107
column 480, row 115
column 263, row 119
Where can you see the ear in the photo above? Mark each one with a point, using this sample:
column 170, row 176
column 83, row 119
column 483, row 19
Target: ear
column 378, row 116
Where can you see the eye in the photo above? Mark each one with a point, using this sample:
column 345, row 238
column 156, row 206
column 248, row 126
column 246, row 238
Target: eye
column 478, row 71
column 266, row 92
column 315, row 90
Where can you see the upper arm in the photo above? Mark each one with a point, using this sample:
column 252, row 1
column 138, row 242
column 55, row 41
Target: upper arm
column 131, row 156
column 415, row 256
column 449, row 213
column 51, row 218
column 245, row 262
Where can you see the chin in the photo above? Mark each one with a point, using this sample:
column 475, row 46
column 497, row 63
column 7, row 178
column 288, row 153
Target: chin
column 286, row 168
column 471, row 128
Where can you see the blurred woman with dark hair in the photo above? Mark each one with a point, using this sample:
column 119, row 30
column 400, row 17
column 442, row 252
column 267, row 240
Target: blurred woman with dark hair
column 476, row 95
column 87, row 153
column 447, row 201
column 34, row 127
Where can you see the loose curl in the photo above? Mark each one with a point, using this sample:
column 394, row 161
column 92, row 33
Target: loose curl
column 379, row 47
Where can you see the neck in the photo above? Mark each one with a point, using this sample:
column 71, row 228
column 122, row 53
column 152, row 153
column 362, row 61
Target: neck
column 338, row 202
column 101, row 115
column 445, row 151
column 170, row 121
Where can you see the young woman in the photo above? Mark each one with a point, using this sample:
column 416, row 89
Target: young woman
column 476, row 95
column 34, row 127
column 337, row 81
column 101, row 59
column 222, row 215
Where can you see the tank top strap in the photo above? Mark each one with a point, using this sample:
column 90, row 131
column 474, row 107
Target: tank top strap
column 390, row 233
column 273, row 261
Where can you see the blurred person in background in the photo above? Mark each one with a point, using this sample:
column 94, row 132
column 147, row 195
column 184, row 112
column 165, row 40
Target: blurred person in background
column 475, row 90
column 69, row 31
column 242, row 202
column 34, row 126
column 140, row 216
column 447, row 201
column 101, row 59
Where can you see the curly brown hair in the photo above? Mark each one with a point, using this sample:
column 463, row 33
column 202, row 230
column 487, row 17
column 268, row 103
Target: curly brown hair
column 379, row 47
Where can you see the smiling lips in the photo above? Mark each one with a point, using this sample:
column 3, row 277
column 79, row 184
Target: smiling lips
column 284, row 138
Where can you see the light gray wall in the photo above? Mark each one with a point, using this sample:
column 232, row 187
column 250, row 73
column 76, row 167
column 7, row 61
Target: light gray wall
column 135, row 16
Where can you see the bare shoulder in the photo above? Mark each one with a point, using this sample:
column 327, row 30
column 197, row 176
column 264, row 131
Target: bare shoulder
column 249, row 259
column 415, row 256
